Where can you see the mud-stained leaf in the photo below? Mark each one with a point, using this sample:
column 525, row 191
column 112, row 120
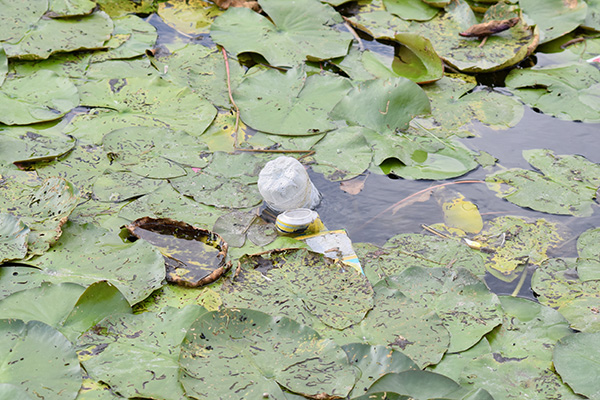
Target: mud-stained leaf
column 415, row 59
column 554, row 17
column 120, row 186
column 72, row 65
column 373, row 362
column 180, row 297
column 453, row 363
column 86, row 254
column 557, row 285
column 70, row 8
column 417, row 331
column 565, row 185
column 588, row 263
column 576, row 358
column 416, row 10
column 382, row 105
column 57, row 376
column 18, row 17
column 289, row 103
column 406, row 250
column 42, row 96
column 203, row 70
column 94, row 390
column 166, row 202
column 143, row 102
column 342, row 154
column 137, row 355
column 155, row 152
column 23, row 145
column 189, row 16
column 68, row 307
column 118, row 8
column 13, row 238
column 463, row 302
column 57, row 35
column 567, row 92
column 256, row 353
column 193, row 257
column 294, row 32
column 139, row 36
column 334, row 294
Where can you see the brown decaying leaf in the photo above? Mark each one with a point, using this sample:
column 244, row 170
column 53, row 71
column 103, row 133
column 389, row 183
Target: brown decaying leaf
column 225, row 4
column 353, row 186
column 490, row 28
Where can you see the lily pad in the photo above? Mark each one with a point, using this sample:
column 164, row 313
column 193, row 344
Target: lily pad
column 21, row 145
column 289, row 103
column 70, row 8
column 18, row 17
column 274, row 282
column 418, row 385
column 50, row 36
column 576, row 358
column 193, row 17
column 567, row 92
column 3, row 65
column 588, row 263
column 256, row 353
column 118, row 8
column 382, row 105
column 137, row 355
column 566, row 185
column 131, row 37
column 592, row 19
column 120, row 186
column 554, row 17
column 294, row 32
column 41, row 96
column 58, row 377
column 13, row 238
column 416, row 10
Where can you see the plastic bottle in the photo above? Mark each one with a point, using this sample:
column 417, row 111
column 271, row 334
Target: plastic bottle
column 285, row 185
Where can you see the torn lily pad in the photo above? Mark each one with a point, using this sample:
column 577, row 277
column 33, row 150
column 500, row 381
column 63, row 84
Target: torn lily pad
column 294, row 32
column 13, row 238
column 565, row 185
column 41, row 96
column 257, row 354
column 193, row 257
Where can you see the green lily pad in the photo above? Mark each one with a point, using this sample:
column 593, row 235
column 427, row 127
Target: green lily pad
column 592, row 19
column 179, row 297
column 193, row 17
column 255, row 353
column 28, row 145
column 294, row 32
column 576, row 358
column 273, row 283
column 3, row 65
column 463, row 302
column 138, row 36
column 70, row 8
column 137, row 355
column 289, row 103
column 72, row 65
column 416, row 10
column 119, row 69
column 554, row 17
column 56, row 376
column 566, row 185
column 118, row 8
column 588, row 263
column 342, row 154
column 42, row 96
column 86, row 254
column 13, row 392
column 18, row 17
column 57, row 35
column 415, row 60
column 13, row 238
column 567, row 92
column 418, row 385
column 382, row 105
column 155, row 152
column 120, row 186
column 143, row 102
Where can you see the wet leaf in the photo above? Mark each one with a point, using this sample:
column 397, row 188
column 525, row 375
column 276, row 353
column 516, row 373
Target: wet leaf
column 294, row 32
column 266, row 353
column 139, row 36
column 189, row 16
column 567, row 92
column 382, row 105
column 554, row 17
column 137, row 355
column 27, row 144
column 155, row 152
column 411, row 10
column 576, row 359
column 463, row 302
column 13, row 238
column 57, row 378
column 342, row 154
column 565, row 185
column 41, row 96
column 415, row 59
column 461, row 214
column 51, row 36
column 274, row 282
column 143, row 102
column 588, row 263
column 289, row 103
column 193, row 257
column 120, row 186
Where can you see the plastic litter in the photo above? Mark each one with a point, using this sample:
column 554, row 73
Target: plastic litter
column 301, row 221
column 285, row 185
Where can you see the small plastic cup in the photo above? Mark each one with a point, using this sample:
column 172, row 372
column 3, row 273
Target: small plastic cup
column 301, row 221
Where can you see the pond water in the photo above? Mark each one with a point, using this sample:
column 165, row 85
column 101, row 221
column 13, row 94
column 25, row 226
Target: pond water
column 368, row 216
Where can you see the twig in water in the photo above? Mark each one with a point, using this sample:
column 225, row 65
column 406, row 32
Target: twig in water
column 237, row 110
column 348, row 25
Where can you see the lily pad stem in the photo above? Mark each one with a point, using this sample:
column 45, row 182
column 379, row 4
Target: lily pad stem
column 237, row 110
